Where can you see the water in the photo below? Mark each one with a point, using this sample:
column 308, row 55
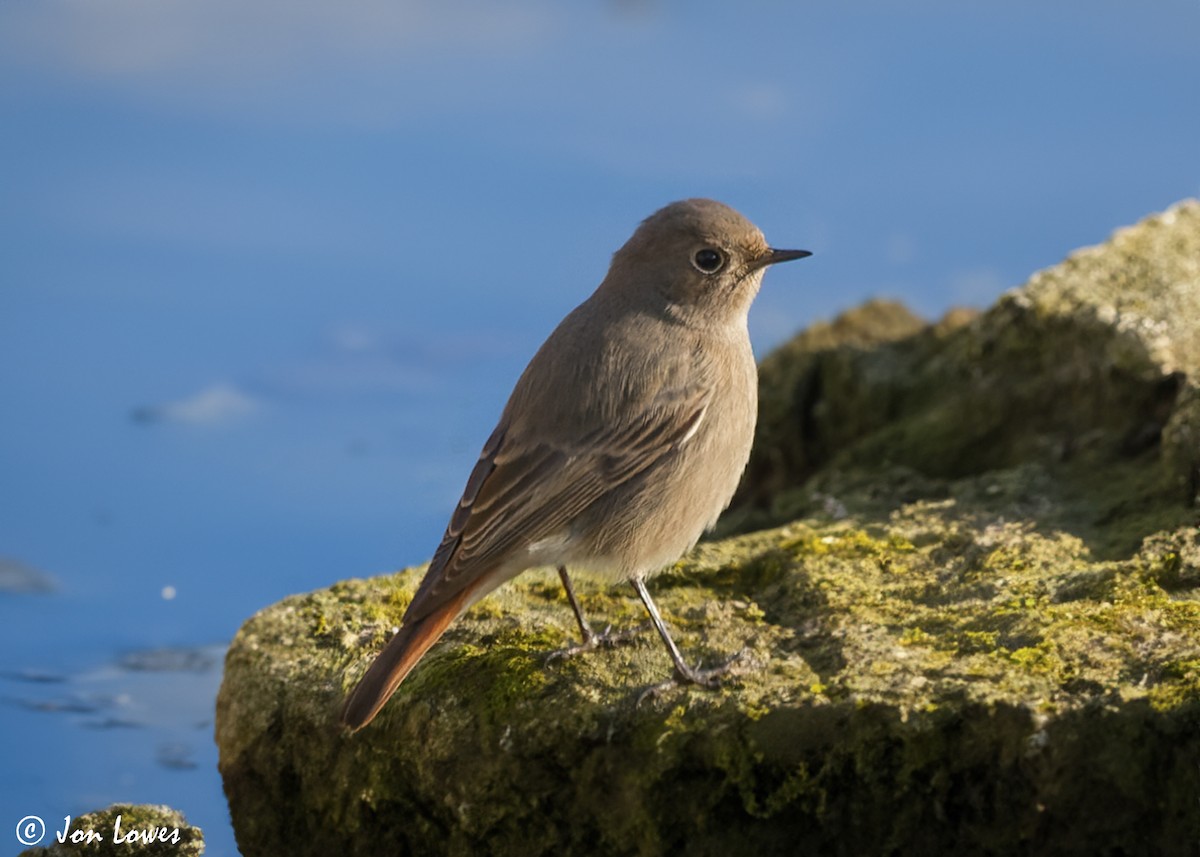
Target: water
column 161, row 528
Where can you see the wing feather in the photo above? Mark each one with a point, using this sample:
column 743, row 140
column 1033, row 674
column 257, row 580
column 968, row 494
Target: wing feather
column 524, row 489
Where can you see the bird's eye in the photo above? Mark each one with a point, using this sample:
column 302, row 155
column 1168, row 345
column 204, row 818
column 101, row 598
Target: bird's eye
column 708, row 260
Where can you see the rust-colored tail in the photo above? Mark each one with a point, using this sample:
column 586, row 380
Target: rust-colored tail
column 396, row 661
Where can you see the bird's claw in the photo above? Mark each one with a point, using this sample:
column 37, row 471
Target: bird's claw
column 606, row 639
column 710, row 679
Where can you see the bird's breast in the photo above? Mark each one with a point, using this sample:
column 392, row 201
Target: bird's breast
column 653, row 519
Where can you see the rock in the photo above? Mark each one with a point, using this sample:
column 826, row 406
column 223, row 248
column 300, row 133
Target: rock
column 124, row 829
column 1091, row 371
column 939, row 655
column 18, row 578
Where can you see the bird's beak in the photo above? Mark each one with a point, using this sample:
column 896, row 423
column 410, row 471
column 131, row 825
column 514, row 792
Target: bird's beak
column 773, row 257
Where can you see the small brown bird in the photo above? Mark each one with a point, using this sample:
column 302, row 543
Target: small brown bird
column 622, row 442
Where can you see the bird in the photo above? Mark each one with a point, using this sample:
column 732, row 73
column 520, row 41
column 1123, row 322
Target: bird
column 622, row 442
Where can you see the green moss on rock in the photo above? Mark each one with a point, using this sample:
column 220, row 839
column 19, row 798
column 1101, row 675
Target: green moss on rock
column 913, row 685
column 1090, row 371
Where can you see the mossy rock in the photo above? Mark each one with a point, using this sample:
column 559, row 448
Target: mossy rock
column 938, row 657
column 941, row 682
column 1091, row 370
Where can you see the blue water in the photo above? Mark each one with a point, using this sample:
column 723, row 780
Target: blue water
column 164, row 529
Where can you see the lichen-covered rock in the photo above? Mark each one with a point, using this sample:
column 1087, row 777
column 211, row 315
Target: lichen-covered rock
column 939, row 655
column 125, row 830
column 944, row 681
column 1091, row 370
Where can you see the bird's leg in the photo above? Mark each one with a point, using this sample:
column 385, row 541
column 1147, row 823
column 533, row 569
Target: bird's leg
column 585, row 630
column 590, row 639
column 710, row 678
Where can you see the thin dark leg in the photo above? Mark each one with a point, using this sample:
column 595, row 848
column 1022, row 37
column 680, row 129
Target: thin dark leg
column 591, row 640
column 585, row 630
column 683, row 672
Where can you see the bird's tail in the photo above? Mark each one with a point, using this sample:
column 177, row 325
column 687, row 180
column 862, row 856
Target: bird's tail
column 396, row 661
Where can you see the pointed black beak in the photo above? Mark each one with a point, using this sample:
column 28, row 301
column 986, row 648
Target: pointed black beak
column 774, row 257
column 777, row 256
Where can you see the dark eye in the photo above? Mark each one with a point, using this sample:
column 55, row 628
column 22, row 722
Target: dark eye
column 708, row 260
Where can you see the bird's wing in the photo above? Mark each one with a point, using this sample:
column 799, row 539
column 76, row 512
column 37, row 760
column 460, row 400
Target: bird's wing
column 526, row 486
column 522, row 489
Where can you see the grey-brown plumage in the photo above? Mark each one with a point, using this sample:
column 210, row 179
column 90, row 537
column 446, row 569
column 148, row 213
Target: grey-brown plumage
column 622, row 442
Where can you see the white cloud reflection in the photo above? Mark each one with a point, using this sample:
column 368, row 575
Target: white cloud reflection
column 213, row 405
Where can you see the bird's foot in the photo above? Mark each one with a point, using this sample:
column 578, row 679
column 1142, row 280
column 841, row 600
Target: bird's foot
column 606, row 639
column 711, row 678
